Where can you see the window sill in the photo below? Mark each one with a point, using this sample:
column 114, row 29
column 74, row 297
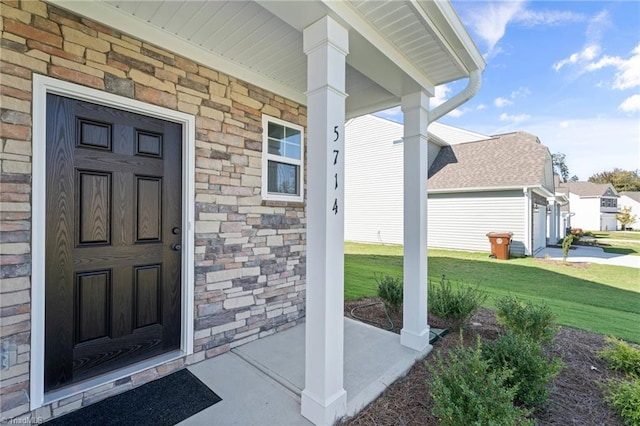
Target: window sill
column 283, row 203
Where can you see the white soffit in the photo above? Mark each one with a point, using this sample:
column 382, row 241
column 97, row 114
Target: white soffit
column 395, row 47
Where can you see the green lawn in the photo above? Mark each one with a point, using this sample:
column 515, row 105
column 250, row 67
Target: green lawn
column 600, row 298
column 620, row 247
column 627, row 242
column 618, row 235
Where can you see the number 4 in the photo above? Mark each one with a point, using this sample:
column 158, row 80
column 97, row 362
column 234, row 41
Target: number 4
column 335, row 206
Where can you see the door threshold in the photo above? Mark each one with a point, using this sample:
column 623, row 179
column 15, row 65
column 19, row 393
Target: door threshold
column 112, row 376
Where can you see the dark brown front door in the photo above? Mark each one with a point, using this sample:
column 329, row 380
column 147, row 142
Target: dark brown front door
column 113, row 260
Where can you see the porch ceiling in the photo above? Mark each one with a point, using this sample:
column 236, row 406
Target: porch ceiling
column 396, row 47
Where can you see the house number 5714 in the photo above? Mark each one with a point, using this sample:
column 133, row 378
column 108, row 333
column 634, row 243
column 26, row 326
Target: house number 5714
column 336, row 154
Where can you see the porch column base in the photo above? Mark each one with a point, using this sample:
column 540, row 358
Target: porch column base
column 415, row 341
column 324, row 412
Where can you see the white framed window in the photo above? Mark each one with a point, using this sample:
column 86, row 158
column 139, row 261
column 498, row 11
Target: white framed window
column 282, row 160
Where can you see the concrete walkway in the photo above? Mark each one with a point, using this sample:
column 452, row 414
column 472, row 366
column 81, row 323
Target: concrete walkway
column 591, row 255
column 260, row 383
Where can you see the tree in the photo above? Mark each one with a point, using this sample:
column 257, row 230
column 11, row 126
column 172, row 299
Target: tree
column 574, row 178
column 622, row 180
column 625, row 218
column 560, row 168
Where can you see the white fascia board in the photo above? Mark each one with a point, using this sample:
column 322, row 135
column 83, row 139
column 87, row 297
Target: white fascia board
column 353, row 19
column 141, row 29
column 477, row 189
column 537, row 188
column 541, row 189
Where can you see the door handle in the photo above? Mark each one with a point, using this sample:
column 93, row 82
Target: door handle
column 176, row 247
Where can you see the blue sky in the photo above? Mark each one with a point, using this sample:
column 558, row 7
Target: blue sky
column 567, row 72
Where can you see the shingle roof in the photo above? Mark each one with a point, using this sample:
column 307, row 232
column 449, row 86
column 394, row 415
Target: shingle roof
column 584, row 189
column 634, row 195
column 509, row 160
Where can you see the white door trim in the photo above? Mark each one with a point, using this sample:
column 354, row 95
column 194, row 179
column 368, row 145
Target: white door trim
column 43, row 85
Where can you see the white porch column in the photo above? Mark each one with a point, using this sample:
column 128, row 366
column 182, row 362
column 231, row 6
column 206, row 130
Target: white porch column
column 326, row 44
column 415, row 330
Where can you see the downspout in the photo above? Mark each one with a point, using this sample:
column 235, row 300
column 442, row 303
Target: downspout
column 473, row 86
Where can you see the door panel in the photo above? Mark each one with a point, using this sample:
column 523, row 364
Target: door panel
column 113, row 290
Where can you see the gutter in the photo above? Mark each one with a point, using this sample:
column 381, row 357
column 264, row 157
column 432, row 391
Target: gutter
column 473, row 86
column 524, row 188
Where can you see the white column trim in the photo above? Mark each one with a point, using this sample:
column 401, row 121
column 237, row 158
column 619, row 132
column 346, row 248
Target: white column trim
column 415, row 332
column 326, row 45
column 43, row 85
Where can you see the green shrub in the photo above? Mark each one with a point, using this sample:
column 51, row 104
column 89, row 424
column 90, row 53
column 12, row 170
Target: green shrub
column 621, row 356
column 566, row 244
column 466, row 390
column 535, row 321
column 532, row 370
column 459, row 304
column 390, row 291
column 624, row 397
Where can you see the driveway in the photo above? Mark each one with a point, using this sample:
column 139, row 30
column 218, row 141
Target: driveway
column 592, row 255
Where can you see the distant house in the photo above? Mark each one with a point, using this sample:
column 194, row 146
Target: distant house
column 477, row 184
column 593, row 206
column 631, row 199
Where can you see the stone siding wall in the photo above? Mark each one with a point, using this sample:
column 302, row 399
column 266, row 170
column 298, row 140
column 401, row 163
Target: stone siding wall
column 249, row 254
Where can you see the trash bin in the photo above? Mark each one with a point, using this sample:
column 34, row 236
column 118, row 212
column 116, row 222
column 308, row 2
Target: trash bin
column 500, row 244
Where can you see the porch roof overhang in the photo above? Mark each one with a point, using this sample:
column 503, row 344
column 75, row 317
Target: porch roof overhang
column 396, row 48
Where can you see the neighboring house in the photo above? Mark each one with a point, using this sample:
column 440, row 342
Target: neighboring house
column 373, row 175
column 592, row 206
column 631, row 199
column 497, row 184
column 172, row 182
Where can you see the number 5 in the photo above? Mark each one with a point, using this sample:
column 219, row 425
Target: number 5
column 335, row 130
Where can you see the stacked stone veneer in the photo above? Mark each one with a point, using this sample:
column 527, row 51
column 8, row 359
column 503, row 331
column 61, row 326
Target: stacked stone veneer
column 249, row 254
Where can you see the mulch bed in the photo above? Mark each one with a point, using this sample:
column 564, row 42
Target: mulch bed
column 575, row 397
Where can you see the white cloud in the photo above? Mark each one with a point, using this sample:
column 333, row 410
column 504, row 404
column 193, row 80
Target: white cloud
column 530, row 18
column 627, row 70
column 521, row 92
column 481, row 107
column 517, row 118
column 586, row 54
column 631, row 104
column 489, row 20
column 592, row 47
column 501, row 102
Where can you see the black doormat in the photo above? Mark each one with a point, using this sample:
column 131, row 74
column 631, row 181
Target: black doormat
column 165, row 401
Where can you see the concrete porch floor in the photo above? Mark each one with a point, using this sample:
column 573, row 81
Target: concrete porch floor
column 260, row 383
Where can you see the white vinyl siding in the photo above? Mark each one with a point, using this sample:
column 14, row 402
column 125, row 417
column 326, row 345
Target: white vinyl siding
column 462, row 220
column 373, row 181
column 587, row 212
